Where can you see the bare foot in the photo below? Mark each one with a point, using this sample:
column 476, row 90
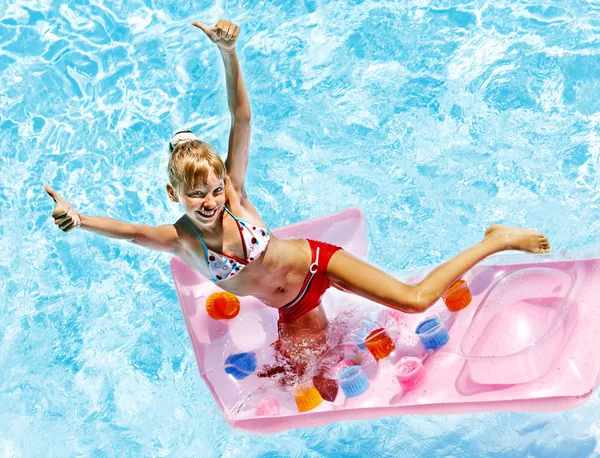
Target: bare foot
column 516, row 238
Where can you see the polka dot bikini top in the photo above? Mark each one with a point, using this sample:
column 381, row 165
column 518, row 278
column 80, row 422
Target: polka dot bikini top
column 254, row 240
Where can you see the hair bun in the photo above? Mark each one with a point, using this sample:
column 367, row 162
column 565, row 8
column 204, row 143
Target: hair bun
column 181, row 137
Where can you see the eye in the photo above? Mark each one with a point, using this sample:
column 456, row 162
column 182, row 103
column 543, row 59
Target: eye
column 218, row 190
column 197, row 194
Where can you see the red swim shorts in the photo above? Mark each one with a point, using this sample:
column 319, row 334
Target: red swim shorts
column 315, row 284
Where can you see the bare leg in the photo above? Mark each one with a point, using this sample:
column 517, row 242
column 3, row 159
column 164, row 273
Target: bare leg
column 349, row 273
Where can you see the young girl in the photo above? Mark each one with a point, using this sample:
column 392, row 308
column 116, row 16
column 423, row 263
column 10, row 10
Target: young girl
column 223, row 236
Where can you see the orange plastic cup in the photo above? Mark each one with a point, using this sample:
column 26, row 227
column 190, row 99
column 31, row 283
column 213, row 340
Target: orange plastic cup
column 307, row 398
column 222, row 306
column 458, row 296
column 379, row 343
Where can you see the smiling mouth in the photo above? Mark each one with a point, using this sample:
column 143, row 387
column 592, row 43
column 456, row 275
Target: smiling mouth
column 207, row 214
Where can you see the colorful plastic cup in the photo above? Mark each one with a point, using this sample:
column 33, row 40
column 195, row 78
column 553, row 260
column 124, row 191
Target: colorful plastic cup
column 353, row 381
column 410, row 373
column 328, row 388
column 361, row 334
column 433, row 334
column 379, row 343
column 458, row 296
column 222, row 306
column 268, row 407
column 241, row 365
column 307, row 398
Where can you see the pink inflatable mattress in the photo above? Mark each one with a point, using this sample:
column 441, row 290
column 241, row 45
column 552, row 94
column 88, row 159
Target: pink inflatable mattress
column 527, row 341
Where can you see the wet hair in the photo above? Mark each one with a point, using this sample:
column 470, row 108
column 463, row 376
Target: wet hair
column 191, row 162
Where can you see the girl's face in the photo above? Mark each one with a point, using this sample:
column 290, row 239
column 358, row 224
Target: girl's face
column 205, row 203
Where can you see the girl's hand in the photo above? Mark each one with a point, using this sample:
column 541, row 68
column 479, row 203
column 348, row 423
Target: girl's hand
column 224, row 34
column 65, row 216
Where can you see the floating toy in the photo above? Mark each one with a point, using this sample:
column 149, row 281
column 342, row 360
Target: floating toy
column 410, row 373
column 379, row 343
column 353, row 381
column 433, row 333
column 327, row 387
column 526, row 342
column 307, row 398
column 458, row 296
column 268, row 407
column 222, row 306
column 240, row 365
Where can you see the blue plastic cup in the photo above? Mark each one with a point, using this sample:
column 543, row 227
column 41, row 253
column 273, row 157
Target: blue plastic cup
column 353, row 381
column 241, row 365
column 433, row 334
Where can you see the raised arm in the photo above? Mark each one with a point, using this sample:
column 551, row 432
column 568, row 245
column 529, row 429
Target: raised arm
column 225, row 34
column 158, row 238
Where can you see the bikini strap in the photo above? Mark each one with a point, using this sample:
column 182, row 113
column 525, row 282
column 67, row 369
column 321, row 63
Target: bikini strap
column 234, row 217
column 239, row 220
column 214, row 279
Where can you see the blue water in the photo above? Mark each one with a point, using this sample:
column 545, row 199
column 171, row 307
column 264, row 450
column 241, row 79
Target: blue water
column 437, row 118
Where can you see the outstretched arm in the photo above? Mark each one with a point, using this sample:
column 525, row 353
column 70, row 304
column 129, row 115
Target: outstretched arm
column 225, row 34
column 159, row 238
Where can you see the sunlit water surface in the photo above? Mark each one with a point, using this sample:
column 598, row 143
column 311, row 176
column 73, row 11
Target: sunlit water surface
column 436, row 118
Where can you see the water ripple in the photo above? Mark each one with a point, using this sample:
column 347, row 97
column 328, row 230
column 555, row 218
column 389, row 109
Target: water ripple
column 437, row 118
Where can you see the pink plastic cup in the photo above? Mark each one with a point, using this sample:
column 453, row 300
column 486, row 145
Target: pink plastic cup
column 410, row 373
column 268, row 407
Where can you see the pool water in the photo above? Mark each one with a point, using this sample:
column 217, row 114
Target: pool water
column 437, row 118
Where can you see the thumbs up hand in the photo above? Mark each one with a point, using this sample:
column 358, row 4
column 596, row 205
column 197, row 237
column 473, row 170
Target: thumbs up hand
column 65, row 216
column 224, row 34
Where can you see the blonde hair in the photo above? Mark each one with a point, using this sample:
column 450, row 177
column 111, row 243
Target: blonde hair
column 191, row 162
